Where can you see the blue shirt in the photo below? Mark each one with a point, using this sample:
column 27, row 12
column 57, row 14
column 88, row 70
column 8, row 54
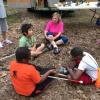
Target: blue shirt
column 2, row 10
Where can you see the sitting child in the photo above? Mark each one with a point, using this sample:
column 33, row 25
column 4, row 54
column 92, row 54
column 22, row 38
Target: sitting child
column 28, row 40
column 25, row 77
column 85, row 67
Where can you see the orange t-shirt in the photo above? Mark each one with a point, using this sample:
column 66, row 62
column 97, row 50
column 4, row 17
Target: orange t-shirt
column 97, row 83
column 26, row 77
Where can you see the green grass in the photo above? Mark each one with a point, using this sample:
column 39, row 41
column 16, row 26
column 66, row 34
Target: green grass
column 13, row 18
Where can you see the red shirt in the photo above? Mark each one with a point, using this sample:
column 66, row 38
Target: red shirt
column 26, row 77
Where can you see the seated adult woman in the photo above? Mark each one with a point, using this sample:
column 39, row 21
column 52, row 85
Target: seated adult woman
column 54, row 32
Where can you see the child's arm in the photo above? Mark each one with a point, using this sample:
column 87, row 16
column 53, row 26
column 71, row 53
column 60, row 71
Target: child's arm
column 45, row 34
column 74, row 74
column 45, row 76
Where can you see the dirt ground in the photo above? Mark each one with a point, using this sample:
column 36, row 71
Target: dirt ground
column 80, row 31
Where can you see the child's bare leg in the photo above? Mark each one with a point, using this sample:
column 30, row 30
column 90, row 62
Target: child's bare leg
column 39, row 49
column 33, row 53
column 33, row 48
column 4, row 35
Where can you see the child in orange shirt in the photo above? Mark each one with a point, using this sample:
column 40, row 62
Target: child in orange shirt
column 25, row 77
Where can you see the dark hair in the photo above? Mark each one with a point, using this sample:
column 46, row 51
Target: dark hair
column 25, row 28
column 22, row 53
column 76, row 51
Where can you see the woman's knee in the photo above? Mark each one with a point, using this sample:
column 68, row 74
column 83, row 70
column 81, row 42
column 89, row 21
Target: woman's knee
column 65, row 39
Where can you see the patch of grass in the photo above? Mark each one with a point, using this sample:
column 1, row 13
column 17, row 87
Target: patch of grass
column 13, row 18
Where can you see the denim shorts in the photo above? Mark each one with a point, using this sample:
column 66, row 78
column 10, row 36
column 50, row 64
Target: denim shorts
column 62, row 37
column 3, row 25
column 98, row 22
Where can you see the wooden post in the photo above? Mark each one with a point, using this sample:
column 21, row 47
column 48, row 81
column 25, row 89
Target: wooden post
column 40, row 3
column 19, row 3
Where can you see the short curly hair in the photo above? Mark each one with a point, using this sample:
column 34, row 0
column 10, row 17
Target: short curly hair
column 22, row 53
column 76, row 51
column 25, row 28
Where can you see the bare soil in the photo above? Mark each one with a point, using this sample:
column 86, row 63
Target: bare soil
column 80, row 31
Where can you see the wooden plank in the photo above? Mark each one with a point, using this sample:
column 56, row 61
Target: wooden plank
column 91, row 0
column 19, row 1
column 40, row 3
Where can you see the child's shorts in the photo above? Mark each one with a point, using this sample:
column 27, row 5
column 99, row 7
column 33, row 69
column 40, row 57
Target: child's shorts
column 62, row 37
column 3, row 25
column 86, row 79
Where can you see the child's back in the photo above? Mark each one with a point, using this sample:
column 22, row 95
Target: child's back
column 26, row 76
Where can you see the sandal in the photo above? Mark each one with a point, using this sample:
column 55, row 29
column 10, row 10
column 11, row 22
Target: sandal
column 49, row 46
column 56, row 50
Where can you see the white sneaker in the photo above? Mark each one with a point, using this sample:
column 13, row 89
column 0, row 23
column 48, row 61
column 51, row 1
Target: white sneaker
column 7, row 41
column 1, row 45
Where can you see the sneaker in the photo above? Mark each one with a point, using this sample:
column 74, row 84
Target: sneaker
column 7, row 41
column 1, row 45
column 56, row 50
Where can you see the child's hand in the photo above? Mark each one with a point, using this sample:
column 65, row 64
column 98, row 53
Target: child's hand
column 52, row 71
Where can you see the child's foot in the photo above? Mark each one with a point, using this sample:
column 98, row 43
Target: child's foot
column 1, row 45
column 56, row 50
column 7, row 41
